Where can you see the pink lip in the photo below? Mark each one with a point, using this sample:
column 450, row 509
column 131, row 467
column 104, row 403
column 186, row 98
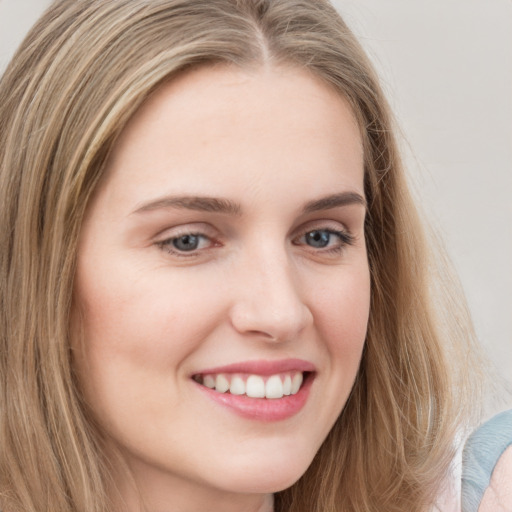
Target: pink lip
column 263, row 367
column 262, row 409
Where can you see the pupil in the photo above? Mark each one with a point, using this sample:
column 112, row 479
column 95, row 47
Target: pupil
column 318, row 238
column 186, row 242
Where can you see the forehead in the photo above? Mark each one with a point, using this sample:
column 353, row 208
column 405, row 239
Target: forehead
column 224, row 93
column 226, row 124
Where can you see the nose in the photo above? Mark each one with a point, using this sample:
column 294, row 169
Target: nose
column 268, row 302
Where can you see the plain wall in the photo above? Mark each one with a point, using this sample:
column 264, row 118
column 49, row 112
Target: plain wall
column 447, row 69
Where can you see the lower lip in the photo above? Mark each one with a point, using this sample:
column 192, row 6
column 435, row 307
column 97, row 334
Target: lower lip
column 263, row 409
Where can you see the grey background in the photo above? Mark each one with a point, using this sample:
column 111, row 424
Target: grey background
column 447, row 69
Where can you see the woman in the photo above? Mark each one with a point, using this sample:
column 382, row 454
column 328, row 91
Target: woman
column 215, row 289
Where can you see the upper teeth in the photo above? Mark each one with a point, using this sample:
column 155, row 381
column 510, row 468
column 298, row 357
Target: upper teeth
column 254, row 386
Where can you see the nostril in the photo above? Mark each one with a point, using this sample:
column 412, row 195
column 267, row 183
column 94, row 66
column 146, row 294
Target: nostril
column 273, row 324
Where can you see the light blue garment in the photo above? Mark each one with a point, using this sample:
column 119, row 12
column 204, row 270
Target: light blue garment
column 481, row 453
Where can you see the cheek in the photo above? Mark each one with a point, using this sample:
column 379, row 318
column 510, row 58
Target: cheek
column 341, row 311
column 147, row 314
column 127, row 327
column 131, row 335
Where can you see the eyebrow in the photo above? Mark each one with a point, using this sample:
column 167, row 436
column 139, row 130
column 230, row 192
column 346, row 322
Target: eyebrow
column 334, row 201
column 228, row 207
column 202, row 204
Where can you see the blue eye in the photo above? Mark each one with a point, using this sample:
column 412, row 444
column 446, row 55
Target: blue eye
column 186, row 243
column 326, row 239
column 318, row 238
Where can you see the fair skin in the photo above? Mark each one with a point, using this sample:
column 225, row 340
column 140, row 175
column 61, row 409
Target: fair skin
column 226, row 238
column 498, row 496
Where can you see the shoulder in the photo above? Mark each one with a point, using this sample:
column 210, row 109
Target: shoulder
column 486, row 460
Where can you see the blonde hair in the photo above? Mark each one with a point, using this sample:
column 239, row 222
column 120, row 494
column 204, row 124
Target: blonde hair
column 77, row 79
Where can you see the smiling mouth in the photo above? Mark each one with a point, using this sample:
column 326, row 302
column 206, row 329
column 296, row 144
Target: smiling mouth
column 254, row 386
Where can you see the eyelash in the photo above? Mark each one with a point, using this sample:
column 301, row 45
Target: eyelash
column 168, row 244
column 345, row 239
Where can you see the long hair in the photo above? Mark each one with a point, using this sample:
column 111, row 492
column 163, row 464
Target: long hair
column 74, row 83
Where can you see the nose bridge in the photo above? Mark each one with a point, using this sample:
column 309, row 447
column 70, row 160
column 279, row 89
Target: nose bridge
column 269, row 301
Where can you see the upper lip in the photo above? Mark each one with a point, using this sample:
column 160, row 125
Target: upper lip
column 262, row 367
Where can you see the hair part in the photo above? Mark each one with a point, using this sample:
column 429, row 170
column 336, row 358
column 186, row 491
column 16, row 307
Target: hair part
column 75, row 82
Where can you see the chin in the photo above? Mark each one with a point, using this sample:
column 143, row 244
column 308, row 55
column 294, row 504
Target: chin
column 263, row 475
column 268, row 483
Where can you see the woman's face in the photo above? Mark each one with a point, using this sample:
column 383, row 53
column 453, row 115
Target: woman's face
column 225, row 248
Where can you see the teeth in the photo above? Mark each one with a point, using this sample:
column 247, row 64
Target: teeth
column 237, row 386
column 254, row 386
column 287, row 385
column 209, row 381
column 274, row 387
column 221, row 383
column 296, row 383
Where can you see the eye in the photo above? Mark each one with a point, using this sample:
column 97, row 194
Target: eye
column 325, row 239
column 186, row 244
column 318, row 239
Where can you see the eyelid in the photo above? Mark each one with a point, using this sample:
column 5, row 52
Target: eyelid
column 346, row 238
column 322, row 225
column 164, row 240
